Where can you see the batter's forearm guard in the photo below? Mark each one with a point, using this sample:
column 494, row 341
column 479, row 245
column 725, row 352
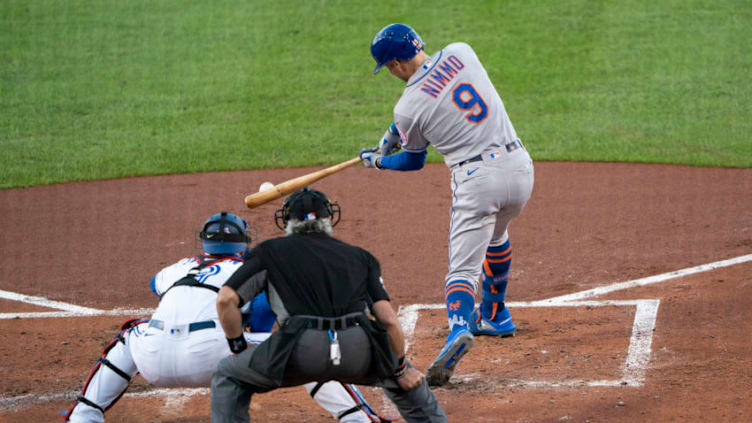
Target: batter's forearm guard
column 404, row 161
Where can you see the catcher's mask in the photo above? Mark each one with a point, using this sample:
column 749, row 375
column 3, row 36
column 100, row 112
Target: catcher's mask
column 307, row 204
column 224, row 233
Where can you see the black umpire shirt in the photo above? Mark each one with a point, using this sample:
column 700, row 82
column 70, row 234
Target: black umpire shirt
column 310, row 274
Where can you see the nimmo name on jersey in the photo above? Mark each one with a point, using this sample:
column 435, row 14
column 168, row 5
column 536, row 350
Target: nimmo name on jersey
column 437, row 80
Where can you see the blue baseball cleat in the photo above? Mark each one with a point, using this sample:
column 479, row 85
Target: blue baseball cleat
column 458, row 343
column 502, row 324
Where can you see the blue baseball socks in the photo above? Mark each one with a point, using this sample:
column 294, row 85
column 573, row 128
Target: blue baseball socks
column 492, row 317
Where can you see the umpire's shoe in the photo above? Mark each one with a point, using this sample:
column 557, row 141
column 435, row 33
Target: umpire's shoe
column 501, row 325
column 459, row 342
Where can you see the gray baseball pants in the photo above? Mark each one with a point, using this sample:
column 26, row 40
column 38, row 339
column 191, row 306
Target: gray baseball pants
column 487, row 195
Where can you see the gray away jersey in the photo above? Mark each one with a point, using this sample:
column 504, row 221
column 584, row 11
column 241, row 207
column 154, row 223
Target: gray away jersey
column 451, row 103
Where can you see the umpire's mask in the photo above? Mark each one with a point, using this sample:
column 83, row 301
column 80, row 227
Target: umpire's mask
column 307, row 204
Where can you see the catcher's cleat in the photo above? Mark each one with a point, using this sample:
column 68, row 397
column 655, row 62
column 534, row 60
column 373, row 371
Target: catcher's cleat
column 501, row 325
column 457, row 345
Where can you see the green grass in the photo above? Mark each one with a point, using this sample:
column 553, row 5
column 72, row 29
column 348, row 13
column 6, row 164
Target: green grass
column 107, row 89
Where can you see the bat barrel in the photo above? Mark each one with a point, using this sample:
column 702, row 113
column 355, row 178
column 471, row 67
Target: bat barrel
column 288, row 187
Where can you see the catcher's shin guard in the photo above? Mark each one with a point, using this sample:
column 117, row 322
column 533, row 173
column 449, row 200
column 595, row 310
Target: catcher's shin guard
column 345, row 402
column 362, row 405
column 108, row 380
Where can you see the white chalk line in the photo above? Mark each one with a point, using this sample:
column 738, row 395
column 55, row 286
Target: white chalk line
column 57, row 314
column 646, row 313
column 597, row 292
column 638, row 354
column 176, row 400
column 634, row 368
column 44, row 302
column 67, row 309
column 28, row 400
column 475, row 378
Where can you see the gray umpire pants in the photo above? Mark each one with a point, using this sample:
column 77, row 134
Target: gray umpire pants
column 234, row 382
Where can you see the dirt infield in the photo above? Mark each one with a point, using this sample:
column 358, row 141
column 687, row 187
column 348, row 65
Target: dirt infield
column 667, row 347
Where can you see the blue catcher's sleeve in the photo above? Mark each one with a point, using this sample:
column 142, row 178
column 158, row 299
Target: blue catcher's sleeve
column 262, row 317
column 153, row 284
column 404, row 160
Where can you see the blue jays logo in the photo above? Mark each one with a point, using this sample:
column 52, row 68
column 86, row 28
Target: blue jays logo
column 207, row 273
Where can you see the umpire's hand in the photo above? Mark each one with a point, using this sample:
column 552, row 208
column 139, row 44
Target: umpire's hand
column 411, row 379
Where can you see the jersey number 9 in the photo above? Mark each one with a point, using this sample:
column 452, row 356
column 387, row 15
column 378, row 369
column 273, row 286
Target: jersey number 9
column 466, row 98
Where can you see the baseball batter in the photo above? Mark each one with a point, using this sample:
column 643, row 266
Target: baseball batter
column 183, row 341
column 449, row 102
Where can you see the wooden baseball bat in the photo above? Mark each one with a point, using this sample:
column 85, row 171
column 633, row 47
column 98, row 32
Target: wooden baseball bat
column 292, row 185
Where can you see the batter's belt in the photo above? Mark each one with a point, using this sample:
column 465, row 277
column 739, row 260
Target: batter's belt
column 514, row 145
column 470, row 160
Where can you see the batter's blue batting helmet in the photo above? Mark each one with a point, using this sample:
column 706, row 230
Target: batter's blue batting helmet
column 224, row 233
column 395, row 41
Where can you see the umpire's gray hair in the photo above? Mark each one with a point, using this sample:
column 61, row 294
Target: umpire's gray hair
column 322, row 225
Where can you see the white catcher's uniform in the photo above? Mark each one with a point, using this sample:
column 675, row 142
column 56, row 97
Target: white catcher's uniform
column 182, row 344
column 170, row 353
column 450, row 103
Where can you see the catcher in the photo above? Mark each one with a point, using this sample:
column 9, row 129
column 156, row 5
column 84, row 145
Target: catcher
column 183, row 341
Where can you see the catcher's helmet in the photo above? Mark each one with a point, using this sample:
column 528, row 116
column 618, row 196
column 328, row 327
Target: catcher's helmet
column 306, row 204
column 224, row 233
column 395, row 41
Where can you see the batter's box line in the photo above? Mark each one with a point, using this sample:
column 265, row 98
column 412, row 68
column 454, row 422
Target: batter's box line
column 633, row 372
column 72, row 310
column 174, row 398
column 66, row 309
column 646, row 312
column 638, row 354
